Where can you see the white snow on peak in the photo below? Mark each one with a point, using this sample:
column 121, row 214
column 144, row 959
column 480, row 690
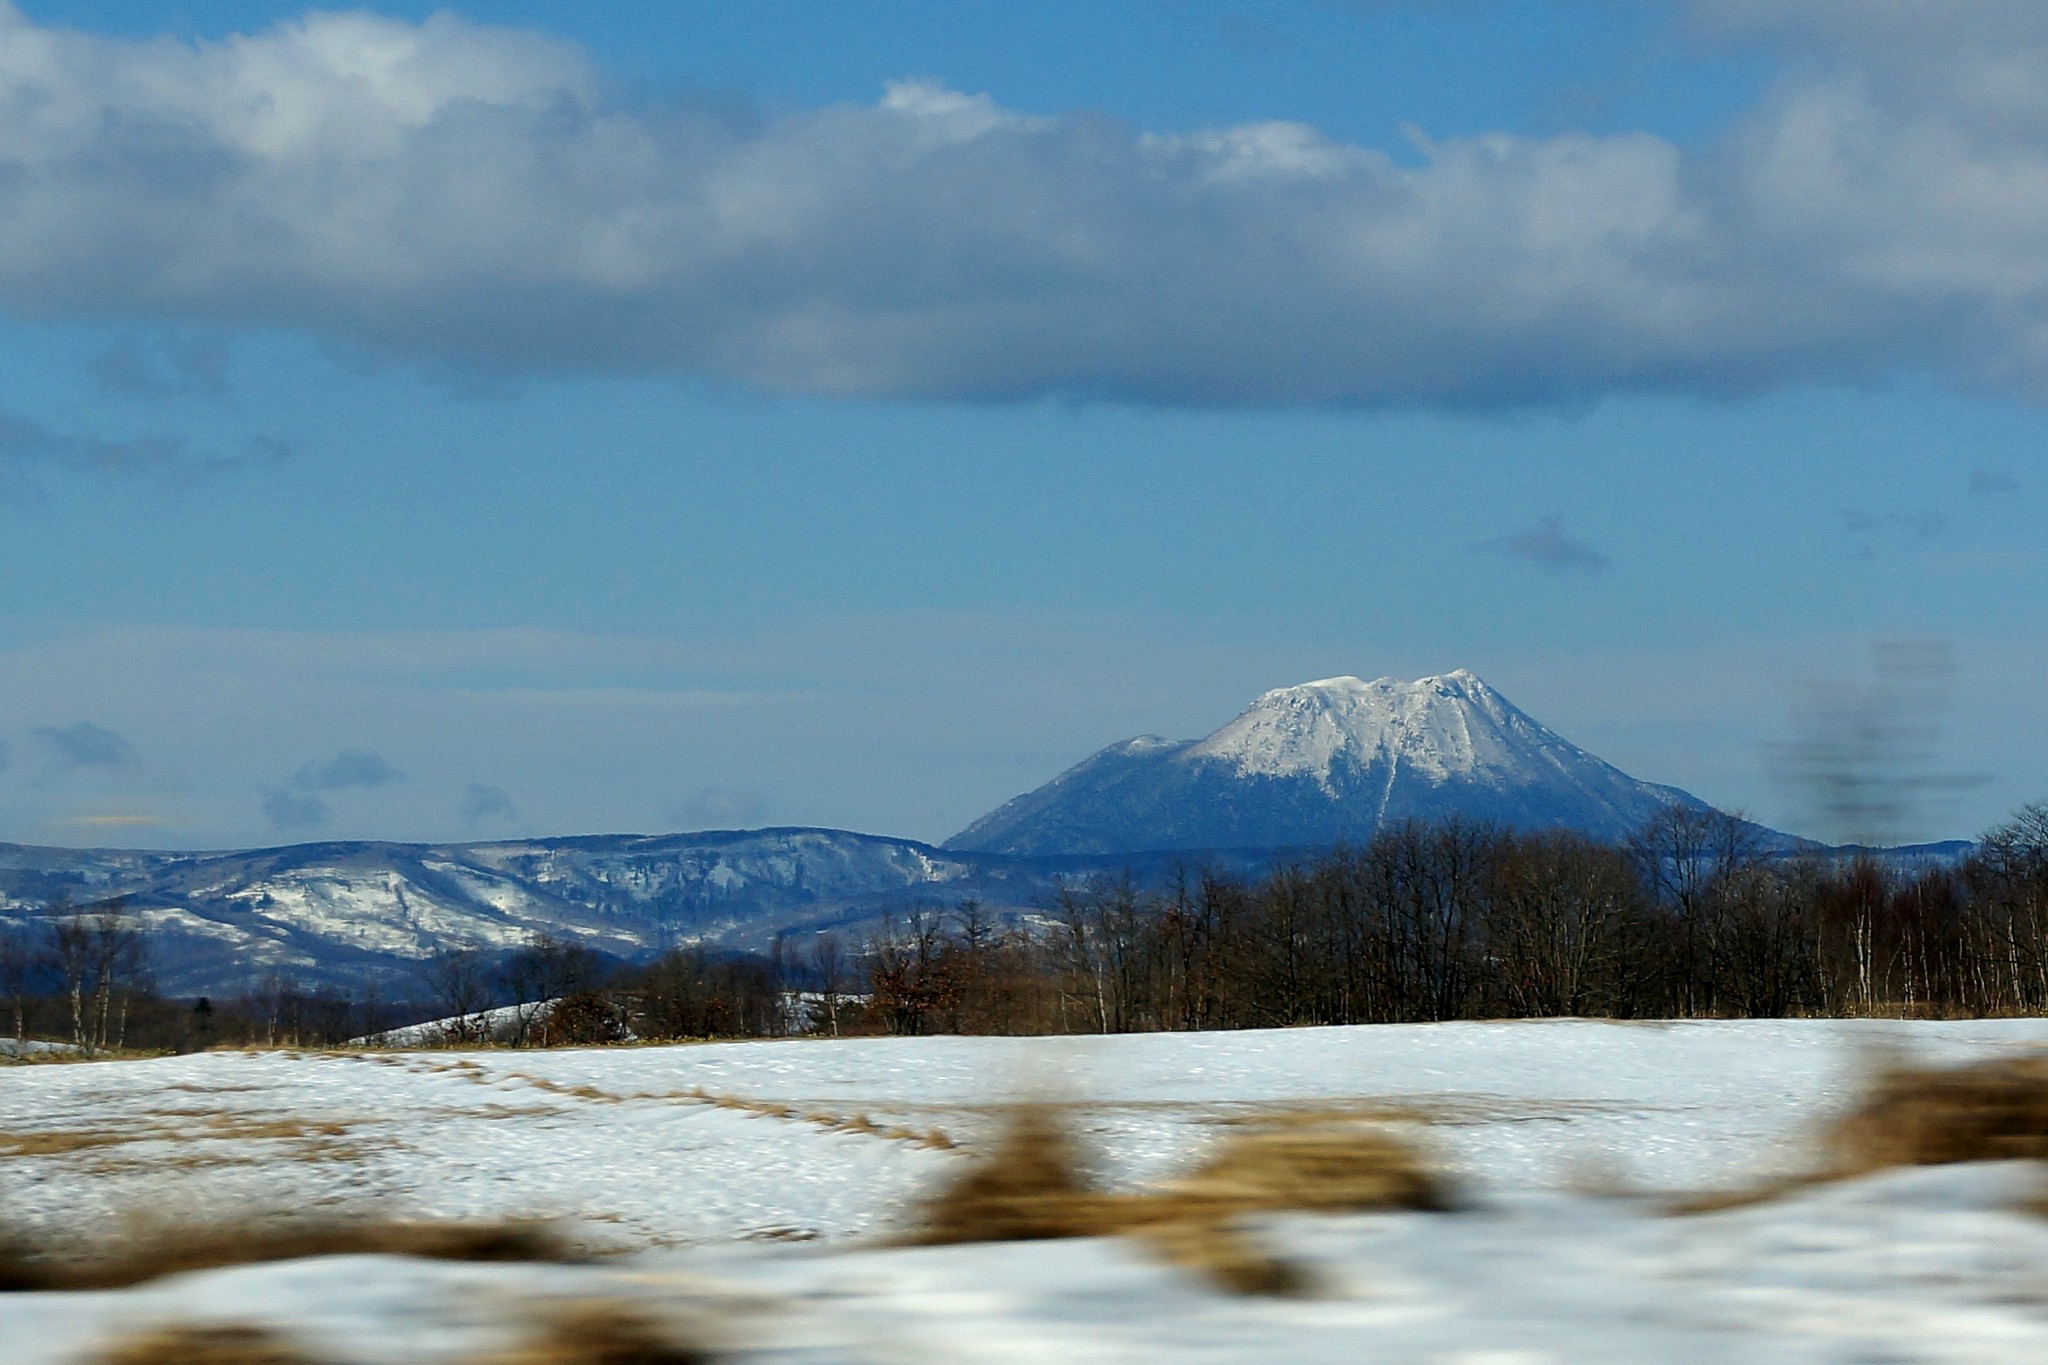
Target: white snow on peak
column 1437, row 727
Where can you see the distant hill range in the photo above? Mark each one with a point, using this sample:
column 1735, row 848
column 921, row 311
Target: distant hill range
column 347, row 912
column 1302, row 769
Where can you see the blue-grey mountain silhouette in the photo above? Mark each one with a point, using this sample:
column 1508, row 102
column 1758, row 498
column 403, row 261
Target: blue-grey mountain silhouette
column 1323, row 763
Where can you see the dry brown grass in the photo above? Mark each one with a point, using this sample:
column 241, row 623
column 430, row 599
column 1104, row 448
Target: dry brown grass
column 205, row 1346
column 1995, row 1110
column 595, row 1333
column 934, row 1138
column 19, row 1268
column 605, row 1333
column 186, row 1139
column 171, row 1125
column 1224, row 1254
column 1314, row 1168
column 1932, row 1116
column 581, row 1092
column 63, row 1141
column 150, row 1253
column 1296, row 1167
column 1031, row 1185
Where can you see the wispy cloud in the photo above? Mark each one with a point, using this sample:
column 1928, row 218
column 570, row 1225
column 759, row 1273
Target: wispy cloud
column 87, row 745
column 26, row 444
column 349, row 768
column 165, row 367
column 1546, row 545
column 1922, row 525
column 299, row 804
column 721, row 808
column 1872, row 533
column 482, row 802
column 1993, row 483
column 289, row 811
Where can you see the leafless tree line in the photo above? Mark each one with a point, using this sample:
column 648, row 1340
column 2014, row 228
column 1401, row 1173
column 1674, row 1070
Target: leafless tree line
column 1692, row 917
column 554, row 990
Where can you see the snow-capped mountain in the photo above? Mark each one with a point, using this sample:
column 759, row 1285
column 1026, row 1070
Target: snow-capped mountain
column 1324, row 762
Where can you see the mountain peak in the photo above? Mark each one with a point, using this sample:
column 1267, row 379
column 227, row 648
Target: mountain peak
column 1457, row 681
column 1323, row 761
column 1442, row 724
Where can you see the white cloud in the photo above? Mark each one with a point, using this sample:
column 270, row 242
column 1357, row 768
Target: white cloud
column 481, row 199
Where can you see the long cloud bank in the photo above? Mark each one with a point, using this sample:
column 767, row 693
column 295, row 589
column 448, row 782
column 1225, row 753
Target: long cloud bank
column 482, row 199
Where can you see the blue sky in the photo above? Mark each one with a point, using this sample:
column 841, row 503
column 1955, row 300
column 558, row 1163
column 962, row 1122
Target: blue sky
column 547, row 419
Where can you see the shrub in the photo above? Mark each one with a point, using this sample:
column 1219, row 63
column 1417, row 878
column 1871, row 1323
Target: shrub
column 586, row 1017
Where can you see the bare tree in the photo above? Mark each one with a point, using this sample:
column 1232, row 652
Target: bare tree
column 2009, row 876
column 70, row 954
column 271, row 1003
column 458, row 981
column 828, row 969
column 17, row 966
column 525, row 978
column 1560, row 916
column 911, row 973
column 367, row 1009
column 1688, row 856
column 548, row 969
column 119, row 964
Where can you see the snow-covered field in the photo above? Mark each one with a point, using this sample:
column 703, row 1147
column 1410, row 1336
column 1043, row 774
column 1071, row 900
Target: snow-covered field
column 752, row 1183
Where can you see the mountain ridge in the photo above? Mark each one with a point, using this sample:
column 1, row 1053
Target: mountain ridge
column 347, row 911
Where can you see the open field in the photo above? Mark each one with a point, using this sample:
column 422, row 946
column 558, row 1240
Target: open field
column 750, row 1188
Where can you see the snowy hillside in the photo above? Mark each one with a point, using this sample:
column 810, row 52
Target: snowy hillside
column 739, row 1185
column 345, row 912
column 1322, row 762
